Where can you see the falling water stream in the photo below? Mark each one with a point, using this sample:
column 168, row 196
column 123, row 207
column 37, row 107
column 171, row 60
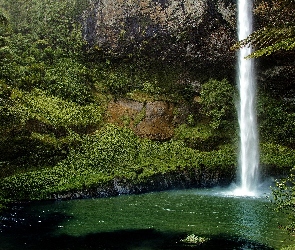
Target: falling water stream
column 249, row 152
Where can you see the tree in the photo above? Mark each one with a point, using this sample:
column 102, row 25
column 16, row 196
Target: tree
column 277, row 31
column 50, row 26
column 5, row 51
column 5, row 58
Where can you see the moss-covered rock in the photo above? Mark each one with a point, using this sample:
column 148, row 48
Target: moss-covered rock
column 152, row 119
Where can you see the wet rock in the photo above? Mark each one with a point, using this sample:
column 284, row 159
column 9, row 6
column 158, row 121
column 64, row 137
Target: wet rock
column 157, row 123
column 154, row 120
column 177, row 179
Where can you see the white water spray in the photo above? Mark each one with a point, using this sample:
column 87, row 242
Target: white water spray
column 249, row 152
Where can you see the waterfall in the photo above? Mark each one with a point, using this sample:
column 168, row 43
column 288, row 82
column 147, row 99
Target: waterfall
column 249, row 150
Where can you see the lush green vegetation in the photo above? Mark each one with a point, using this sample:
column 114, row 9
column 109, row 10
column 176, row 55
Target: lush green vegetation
column 113, row 152
column 54, row 90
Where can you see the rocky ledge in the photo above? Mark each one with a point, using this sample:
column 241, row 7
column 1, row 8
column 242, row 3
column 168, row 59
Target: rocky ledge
column 178, row 179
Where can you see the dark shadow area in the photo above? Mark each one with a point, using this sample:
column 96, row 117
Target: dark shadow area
column 36, row 232
column 128, row 240
column 144, row 239
column 20, row 229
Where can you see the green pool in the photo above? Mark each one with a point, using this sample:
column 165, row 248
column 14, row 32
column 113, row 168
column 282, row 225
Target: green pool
column 179, row 219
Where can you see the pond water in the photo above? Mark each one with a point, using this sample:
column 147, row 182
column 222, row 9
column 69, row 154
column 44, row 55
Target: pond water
column 161, row 220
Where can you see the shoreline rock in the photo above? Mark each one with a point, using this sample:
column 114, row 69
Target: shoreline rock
column 178, row 179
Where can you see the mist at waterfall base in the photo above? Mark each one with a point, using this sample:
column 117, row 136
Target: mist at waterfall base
column 248, row 178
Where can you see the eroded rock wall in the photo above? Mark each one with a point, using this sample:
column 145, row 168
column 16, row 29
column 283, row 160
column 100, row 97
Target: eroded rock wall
column 183, row 31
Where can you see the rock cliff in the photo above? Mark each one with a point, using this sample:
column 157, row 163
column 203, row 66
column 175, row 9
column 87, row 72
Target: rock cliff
column 187, row 32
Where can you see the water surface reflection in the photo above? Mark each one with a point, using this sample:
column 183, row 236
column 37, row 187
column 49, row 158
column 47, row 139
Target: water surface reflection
column 149, row 221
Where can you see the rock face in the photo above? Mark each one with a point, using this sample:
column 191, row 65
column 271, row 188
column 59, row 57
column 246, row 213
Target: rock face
column 192, row 35
column 182, row 31
column 193, row 178
column 153, row 120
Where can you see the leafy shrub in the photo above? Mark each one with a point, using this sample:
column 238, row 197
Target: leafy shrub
column 146, row 82
column 291, row 247
column 53, row 110
column 118, row 82
column 201, row 137
column 47, row 44
column 283, row 198
column 27, row 150
column 38, row 130
column 217, row 100
column 5, row 33
column 49, row 20
column 110, row 149
column 109, row 153
column 276, row 120
column 277, row 155
column 68, row 80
